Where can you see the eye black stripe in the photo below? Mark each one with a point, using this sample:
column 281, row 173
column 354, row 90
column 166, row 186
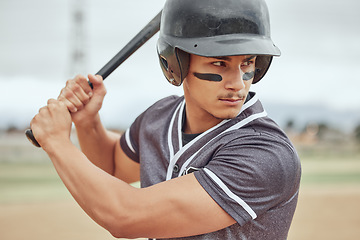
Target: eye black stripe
column 248, row 76
column 209, row 77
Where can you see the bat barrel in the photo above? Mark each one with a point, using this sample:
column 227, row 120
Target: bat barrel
column 143, row 36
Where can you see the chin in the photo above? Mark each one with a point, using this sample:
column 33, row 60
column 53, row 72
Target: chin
column 226, row 116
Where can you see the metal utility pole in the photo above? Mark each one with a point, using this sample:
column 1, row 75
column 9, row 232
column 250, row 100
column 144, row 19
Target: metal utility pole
column 77, row 63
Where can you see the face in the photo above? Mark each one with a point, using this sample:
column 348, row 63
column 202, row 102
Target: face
column 216, row 87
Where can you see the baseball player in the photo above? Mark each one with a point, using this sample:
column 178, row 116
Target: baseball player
column 211, row 163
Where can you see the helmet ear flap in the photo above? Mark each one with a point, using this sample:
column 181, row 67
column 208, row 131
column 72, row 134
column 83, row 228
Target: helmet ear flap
column 167, row 71
column 262, row 65
column 184, row 63
column 174, row 62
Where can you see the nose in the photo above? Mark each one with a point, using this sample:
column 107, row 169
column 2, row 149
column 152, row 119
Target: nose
column 235, row 81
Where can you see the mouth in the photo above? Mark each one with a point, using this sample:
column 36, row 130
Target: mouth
column 232, row 97
column 231, row 101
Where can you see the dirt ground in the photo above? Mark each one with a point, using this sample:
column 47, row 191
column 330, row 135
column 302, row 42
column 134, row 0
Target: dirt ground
column 322, row 213
column 34, row 204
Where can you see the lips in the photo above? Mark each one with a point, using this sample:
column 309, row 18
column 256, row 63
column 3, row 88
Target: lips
column 231, row 99
column 231, row 102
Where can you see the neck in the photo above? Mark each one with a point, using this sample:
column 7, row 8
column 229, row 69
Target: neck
column 194, row 124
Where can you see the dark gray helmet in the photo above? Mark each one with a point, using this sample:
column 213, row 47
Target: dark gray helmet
column 213, row 28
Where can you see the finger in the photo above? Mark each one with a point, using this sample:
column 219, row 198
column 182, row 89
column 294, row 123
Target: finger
column 56, row 106
column 43, row 113
column 69, row 94
column 98, row 85
column 52, row 105
column 51, row 101
column 80, row 93
column 70, row 106
column 80, row 88
column 83, row 82
column 43, row 109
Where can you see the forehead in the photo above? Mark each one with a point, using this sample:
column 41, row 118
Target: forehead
column 225, row 58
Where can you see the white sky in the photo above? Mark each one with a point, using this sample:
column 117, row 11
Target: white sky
column 319, row 40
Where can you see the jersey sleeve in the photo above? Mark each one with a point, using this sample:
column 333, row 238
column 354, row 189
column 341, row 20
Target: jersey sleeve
column 250, row 176
column 129, row 141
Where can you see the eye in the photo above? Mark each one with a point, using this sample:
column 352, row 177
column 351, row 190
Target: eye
column 248, row 63
column 219, row 64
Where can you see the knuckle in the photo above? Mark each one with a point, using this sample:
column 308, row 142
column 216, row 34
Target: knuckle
column 67, row 93
column 69, row 82
column 86, row 100
column 79, row 79
column 41, row 110
column 62, row 104
column 50, row 101
column 76, row 87
column 79, row 76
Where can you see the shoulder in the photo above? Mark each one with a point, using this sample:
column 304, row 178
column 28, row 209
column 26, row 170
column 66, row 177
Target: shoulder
column 264, row 141
column 160, row 110
column 264, row 150
column 167, row 104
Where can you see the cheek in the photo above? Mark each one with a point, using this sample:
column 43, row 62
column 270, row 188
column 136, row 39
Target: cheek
column 200, row 89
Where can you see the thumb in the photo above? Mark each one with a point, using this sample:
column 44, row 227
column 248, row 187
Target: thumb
column 96, row 80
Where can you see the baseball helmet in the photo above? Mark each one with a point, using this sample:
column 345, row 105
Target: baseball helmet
column 213, row 28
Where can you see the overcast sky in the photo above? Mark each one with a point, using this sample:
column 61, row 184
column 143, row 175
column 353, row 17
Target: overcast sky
column 319, row 41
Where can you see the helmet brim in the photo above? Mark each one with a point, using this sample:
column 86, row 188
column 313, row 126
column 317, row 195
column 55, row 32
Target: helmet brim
column 226, row 45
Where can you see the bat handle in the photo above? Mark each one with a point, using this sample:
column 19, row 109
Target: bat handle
column 30, row 136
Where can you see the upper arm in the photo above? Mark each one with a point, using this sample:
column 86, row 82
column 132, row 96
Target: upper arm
column 125, row 168
column 175, row 208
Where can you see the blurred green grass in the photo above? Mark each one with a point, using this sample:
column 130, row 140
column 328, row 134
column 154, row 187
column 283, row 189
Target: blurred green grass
column 27, row 175
column 30, row 182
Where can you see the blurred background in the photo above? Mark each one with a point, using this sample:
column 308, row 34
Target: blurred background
column 312, row 91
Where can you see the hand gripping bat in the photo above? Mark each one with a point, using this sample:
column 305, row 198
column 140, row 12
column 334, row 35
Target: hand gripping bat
column 143, row 36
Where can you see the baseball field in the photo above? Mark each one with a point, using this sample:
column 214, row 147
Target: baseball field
column 34, row 204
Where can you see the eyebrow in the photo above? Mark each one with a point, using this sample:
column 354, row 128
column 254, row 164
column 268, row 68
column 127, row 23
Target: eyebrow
column 249, row 58
column 227, row 58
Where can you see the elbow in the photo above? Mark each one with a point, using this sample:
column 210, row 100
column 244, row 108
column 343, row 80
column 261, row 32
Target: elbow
column 121, row 221
column 117, row 232
column 120, row 228
column 123, row 231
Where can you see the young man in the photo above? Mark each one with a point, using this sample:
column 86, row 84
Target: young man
column 212, row 165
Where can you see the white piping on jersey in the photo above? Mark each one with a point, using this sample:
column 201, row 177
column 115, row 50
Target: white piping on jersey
column 237, row 199
column 182, row 105
column 175, row 157
column 235, row 126
column 180, row 122
column 249, row 103
column 127, row 138
column 221, row 184
column 171, row 147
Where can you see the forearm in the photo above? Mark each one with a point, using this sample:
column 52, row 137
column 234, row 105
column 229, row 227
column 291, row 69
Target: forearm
column 98, row 144
column 102, row 196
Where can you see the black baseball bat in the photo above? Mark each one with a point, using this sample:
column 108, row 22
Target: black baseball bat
column 143, row 36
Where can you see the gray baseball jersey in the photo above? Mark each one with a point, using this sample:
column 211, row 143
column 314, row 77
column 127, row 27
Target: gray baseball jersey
column 246, row 164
